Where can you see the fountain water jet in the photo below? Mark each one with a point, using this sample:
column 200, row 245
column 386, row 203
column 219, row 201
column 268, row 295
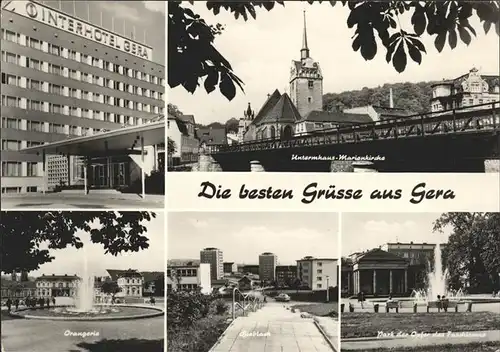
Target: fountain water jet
column 437, row 279
column 84, row 300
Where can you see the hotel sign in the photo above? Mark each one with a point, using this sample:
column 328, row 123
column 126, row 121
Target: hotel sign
column 65, row 22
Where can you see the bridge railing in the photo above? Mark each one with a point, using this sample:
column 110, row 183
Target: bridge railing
column 459, row 120
column 245, row 302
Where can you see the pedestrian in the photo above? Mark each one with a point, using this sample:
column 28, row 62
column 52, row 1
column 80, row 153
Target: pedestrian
column 47, row 302
column 8, row 304
column 445, row 303
column 153, row 301
column 16, row 303
column 53, row 301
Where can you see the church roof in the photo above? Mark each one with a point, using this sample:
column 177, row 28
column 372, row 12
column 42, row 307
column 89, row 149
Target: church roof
column 336, row 117
column 282, row 111
column 268, row 105
column 379, row 255
column 212, row 136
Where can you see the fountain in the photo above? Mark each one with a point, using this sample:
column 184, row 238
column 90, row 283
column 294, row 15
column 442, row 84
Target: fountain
column 437, row 282
column 85, row 308
column 84, row 300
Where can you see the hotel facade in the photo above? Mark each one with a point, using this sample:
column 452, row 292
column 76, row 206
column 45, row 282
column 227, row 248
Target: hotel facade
column 63, row 77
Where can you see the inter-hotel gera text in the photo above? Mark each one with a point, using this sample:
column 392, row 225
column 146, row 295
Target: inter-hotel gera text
column 83, row 29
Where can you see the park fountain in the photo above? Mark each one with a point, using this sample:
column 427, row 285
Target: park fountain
column 85, row 308
column 84, row 300
column 437, row 284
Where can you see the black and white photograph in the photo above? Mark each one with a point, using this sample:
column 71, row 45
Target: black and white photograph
column 83, row 97
column 252, row 281
column 420, row 282
column 333, row 86
column 82, row 281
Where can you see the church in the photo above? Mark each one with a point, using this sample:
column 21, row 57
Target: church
column 298, row 113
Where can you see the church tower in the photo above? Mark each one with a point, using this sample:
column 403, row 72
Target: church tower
column 306, row 80
column 245, row 121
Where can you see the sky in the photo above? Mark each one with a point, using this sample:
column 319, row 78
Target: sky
column 243, row 236
column 260, row 52
column 146, row 16
column 365, row 231
column 70, row 260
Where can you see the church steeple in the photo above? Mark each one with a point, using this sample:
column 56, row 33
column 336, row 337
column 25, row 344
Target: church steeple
column 304, row 52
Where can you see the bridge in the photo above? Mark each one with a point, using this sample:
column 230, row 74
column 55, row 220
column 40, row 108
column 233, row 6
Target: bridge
column 458, row 140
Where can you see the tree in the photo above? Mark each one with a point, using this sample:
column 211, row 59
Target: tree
column 193, row 56
column 174, row 110
column 26, row 233
column 472, row 252
column 110, row 288
column 297, row 283
column 160, row 285
column 171, row 147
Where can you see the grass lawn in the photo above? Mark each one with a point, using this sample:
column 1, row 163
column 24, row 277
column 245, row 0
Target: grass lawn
column 473, row 347
column 319, row 309
column 198, row 338
column 369, row 324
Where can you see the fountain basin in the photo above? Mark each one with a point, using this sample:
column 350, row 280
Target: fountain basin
column 115, row 312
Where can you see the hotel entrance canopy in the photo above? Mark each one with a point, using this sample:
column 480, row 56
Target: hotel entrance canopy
column 105, row 143
column 131, row 140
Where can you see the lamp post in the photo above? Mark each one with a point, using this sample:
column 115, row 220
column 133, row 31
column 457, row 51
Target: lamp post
column 327, row 288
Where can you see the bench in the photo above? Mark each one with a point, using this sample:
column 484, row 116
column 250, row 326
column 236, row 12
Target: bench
column 392, row 305
column 444, row 305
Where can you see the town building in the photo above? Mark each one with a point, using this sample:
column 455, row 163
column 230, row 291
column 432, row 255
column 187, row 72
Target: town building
column 230, row 267
column 129, row 281
column 182, row 131
column 267, row 266
column 65, row 78
column 215, row 258
column 286, row 274
column 57, row 285
column 249, row 269
column 18, row 286
column 318, row 273
column 396, row 268
column 211, row 137
column 469, row 89
column 232, row 138
column 247, row 283
column 188, row 275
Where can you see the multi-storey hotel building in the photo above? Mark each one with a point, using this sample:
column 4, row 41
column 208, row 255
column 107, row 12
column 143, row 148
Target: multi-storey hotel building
column 64, row 77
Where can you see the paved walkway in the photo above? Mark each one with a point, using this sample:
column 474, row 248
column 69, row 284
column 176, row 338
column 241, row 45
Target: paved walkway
column 81, row 201
column 330, row 327
column 273, row 328
column 392, row 343
column 28, row 335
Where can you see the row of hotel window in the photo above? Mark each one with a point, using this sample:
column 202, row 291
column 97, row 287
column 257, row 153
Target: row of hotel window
column 46, row 127
column 74, row 55
column 24, row 82
column 15, row 169
column 23, row 103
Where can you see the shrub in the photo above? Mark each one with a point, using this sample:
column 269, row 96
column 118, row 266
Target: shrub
column 184, row 308
column 221, row 307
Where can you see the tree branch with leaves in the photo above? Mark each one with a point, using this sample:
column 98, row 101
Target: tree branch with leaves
column 193, row 57
column 27, row 237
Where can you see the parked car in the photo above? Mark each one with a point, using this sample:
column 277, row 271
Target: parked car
column 282, row 297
